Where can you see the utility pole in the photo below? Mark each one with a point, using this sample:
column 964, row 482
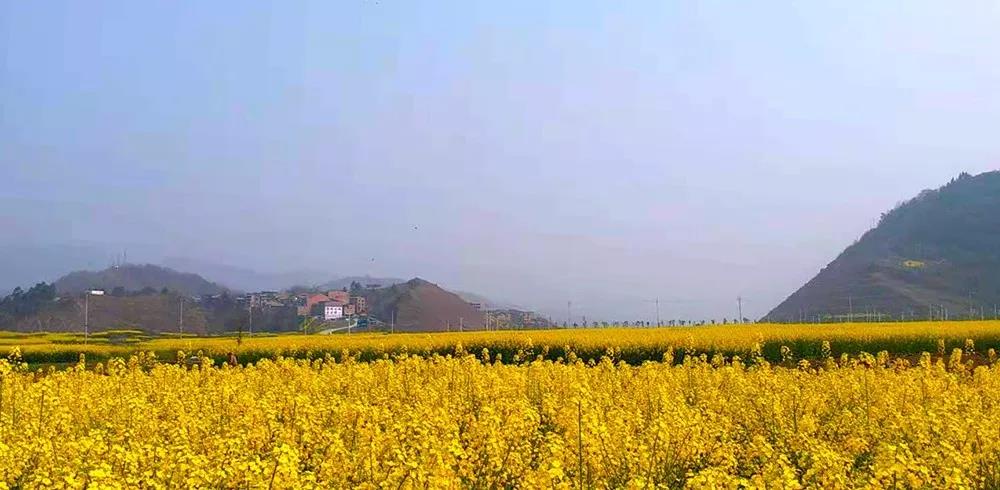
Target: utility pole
column 250, row 325
column 86, row 316
column 461, row 324
column 86, row 311
column 180, row 318
column 739, row 307
column 658, row 323
column 569, row 313
column 392, row 324
column 850, row 306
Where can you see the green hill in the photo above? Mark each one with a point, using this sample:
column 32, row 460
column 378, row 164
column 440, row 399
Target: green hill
column 135, row 278
column 935, row 255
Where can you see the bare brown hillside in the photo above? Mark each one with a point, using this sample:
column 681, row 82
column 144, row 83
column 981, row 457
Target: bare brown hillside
column 421, row 306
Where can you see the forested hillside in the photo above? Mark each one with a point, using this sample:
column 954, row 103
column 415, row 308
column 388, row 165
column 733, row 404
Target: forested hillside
column 934, row 256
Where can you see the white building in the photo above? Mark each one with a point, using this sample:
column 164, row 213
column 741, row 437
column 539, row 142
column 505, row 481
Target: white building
column 333, row 312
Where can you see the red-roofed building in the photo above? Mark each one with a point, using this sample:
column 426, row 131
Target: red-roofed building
column 315, row 299
column 342, row 297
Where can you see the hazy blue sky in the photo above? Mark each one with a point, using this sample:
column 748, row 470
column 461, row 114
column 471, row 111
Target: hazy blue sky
column 600, row 152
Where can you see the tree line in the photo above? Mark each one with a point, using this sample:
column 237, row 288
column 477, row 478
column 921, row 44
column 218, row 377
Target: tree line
column 20, row 303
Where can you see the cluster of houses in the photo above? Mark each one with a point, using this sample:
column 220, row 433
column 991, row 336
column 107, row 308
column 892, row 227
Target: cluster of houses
column 328, row 306
column 333, row 305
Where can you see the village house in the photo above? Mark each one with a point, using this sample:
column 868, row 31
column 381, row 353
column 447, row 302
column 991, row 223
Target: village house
column 332, row 311
column 315, row 299
column 343, row 297
column 360, row 305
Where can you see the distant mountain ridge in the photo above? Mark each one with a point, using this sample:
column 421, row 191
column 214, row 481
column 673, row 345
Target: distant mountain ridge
column 408, row 306
column 364, row 281
column 134, row 300
column 24, row 264
column 249, row 280
column 935, row 255
column 487, row 303
column 243, row 279
column 134, row 278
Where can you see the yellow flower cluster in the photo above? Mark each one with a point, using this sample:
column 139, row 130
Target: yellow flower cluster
column 461, row 422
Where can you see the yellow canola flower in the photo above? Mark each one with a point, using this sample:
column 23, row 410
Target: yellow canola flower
column 460, row 422
column 635, row 345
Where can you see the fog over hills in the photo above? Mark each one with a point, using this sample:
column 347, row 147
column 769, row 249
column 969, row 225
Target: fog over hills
column 24, row 264
column 246, row 279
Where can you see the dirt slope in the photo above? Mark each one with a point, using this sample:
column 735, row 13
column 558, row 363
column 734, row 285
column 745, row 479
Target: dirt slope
column 421, row 306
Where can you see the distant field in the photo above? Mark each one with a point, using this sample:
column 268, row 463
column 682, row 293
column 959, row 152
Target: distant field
column 632, row 345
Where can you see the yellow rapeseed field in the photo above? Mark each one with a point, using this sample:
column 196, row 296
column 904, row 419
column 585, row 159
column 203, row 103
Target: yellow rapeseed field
column 465, row 422
column 633, row 344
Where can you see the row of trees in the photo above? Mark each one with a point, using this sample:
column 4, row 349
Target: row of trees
column 20, row 303
column 119, row 291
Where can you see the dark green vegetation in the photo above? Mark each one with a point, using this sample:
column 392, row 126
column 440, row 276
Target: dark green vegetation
column 634, row 355
column 39, row 310
column 935, row 256
column 159, row 311
column 22, row 304
column 139, row 297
